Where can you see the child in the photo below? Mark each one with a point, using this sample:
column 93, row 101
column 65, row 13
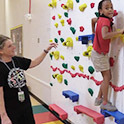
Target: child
column 99, row 55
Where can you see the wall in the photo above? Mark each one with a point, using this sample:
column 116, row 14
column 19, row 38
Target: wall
column 77, row 84
column 2, row 17
column 36, row 35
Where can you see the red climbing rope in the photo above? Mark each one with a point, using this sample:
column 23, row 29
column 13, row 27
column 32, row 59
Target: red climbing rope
column 116, row 88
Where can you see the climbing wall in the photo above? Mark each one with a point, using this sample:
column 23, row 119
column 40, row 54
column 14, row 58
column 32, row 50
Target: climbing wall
column 73, row 78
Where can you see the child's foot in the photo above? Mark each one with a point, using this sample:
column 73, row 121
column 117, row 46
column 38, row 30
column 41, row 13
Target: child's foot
column 108, row 107
column 98, row 101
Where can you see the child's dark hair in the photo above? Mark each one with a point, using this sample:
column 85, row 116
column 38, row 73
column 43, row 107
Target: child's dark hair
column 100, row 4
column 2, row 40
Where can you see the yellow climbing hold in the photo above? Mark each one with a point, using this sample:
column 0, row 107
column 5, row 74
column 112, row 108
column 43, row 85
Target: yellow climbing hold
column 76, row 38
column 54, row 75
column 81, row 68
column 60, row 16
column 56, row 55
column 73, row 67
column 56, row 25
column 53, row 3
column 82, row 7
column 62, row 22
column 119, row 35
column 68, row 42
column 62, row 57
column 68, row 5
column 59, row 78
column 50, row 40
column 90, row 48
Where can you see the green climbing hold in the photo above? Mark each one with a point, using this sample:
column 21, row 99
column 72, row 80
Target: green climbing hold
column 66, row 14
column 53, row 76
column 66, row 82
column 56, row 40
column 90, row 91
column 77, row 1
column 51, row 84
column 91, row 69
column 77, row 58
column 65, row 65
column 97, row 14
column 51, row 56
column 73, row 30
column 62, row 40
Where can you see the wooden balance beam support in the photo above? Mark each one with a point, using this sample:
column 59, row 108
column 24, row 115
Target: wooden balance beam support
column 97, row 117
column 119, row 117
column 62, row 114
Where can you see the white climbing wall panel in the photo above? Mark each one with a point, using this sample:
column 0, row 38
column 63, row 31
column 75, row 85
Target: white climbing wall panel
column 78, row 84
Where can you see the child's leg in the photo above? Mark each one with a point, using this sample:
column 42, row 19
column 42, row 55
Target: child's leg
column 100, row 93
column 105, row 85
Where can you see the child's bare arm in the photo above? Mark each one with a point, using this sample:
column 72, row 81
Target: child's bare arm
column 109, row 35
column 93, row 23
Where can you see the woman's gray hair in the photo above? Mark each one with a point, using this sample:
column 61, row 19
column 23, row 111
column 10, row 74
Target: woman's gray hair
column 3, row 40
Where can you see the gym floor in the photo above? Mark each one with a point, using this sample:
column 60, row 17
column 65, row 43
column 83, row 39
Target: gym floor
column 43, row 115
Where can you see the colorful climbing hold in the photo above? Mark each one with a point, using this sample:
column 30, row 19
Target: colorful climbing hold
column 89, row 48
column 56, row 25
column 50, row 40
column 115, row 13
column 59, row 78
column 51, row 56
column 92, row 5
column 90, row 91
column 76, row 38
column 77, row 1
column 68, row 5
column 85, row 53
column 81, row 68
column 56, row 40
column 97, row 14
column 66, row 82
column 81, row 28
column 56, row 55
column 82, row 7
column 59, row 32
column 91, row 69
column 66, row 14
column 65, row 65
column 53, row 17
column 54, row 75
column 53, row 3
column 60, row 16
column 68, row 42
column 62, row 22
column 62, row 57
column 69, row 21
column 73, row 67
column 61, row 39
column 51, row 84
column 73, row 30
column 111, row 61
column 76, row 58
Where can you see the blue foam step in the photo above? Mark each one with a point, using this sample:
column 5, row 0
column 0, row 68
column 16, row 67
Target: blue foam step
column 72, row 95
column 119, row 117
column 86, row 38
